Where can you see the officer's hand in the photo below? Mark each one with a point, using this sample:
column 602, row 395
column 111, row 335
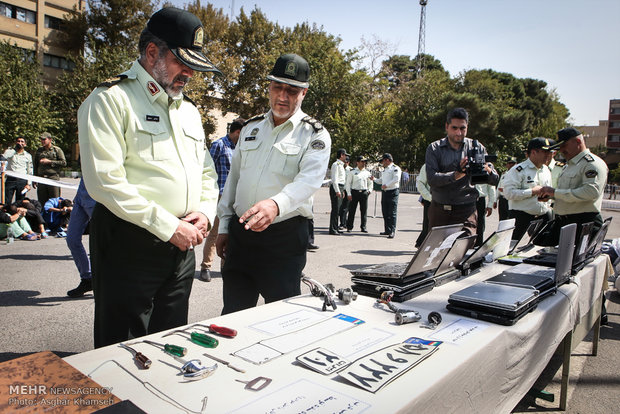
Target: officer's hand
column 339, row 195
column 349, row 198
column 546, row 192
column 495, row 204
column 199, row 220
column 220, row 245
column 186, row 236
column 260, row 215
column 34, row 185
column 536, row 190
column 44, row 161
column 489, row 211
column 488, row 167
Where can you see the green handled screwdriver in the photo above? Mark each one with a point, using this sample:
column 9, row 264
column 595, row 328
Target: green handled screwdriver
column 169, row 348
column 204, row 340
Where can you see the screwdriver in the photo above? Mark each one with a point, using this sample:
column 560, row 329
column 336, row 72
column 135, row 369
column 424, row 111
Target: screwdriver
column 169, row 349
column 220, row 330
column 142, row 360
column 198, row 338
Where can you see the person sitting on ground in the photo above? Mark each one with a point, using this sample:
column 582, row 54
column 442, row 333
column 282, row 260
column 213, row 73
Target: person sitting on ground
column 57, row 213
column 12, row 217
column 33, row 215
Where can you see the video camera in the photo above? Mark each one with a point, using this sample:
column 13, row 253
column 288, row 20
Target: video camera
column 477, row 159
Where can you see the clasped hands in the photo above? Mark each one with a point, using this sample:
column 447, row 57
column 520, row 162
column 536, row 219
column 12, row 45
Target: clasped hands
column 191, row 231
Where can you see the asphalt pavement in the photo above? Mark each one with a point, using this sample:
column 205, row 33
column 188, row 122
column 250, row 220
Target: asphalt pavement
column 37, row 315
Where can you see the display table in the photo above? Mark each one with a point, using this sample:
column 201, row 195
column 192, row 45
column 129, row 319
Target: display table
column 479, row 367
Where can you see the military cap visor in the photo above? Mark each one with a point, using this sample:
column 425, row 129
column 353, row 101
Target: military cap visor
column 540, row 143
column 564, row 135
column 184, row 35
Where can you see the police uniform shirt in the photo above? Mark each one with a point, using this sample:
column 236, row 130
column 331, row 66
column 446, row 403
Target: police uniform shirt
column 358, row 180
column 422, row 184
column 143, row 154
column 18, row 162
column 581, row 185
column 338, row 175
column 390, row 177
column 500, row 184
column 57, row 161
column 518, row 185
column 488, row 192
column 556, row 170
column 285, row 163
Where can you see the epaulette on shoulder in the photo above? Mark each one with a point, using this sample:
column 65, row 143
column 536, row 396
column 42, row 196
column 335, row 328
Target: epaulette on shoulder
column 316, row 125
column 108, row 83
column 254, row 118
column 519, row 168
column 559, row 164
column 588, row 157
column 188, row 99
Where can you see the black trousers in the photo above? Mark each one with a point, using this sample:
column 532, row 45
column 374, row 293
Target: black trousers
column 442, row 215
column 14, row 186
column 502, row 208
column 552, row 238
column 45, row 192
column 424, row 231
column 141, row 284
column 481, row 209
column 344, row 209
column 523, row 220
column 389, row 207
column 268, row 263
column 336, row 201
column 361, row 198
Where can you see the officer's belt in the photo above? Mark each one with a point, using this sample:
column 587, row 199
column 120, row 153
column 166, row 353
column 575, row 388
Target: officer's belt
column 451, row 207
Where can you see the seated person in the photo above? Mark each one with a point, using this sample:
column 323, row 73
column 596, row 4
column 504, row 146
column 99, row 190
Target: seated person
column 33, row 215
column 12, row 217
column 56, row 213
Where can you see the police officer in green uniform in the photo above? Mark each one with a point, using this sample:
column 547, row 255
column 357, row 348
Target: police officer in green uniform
column 143, row 159
column 579, row 193
column 48, row 161
column 279, row 163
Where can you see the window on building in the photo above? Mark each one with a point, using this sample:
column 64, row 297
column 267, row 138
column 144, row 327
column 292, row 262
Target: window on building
column 613, row 138
column 52, row 22
column 614, row 125
column 52, row 61
column 14, row 12
column 6, row 10
column 614, row 110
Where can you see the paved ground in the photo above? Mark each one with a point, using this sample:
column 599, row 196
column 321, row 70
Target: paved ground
column 36, row 314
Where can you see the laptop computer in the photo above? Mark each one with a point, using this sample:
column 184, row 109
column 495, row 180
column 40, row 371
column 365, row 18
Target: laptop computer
column 476, row 259
column 447, row 270
column 550, row 259
column 526, row 242
column 594, row 248
column 541, row 278
column 493, row 302
column 423, row 263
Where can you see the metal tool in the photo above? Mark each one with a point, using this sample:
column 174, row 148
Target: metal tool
column 220, row 330
column 252, row 385
column 319, row 290
column 142, row 360
column 224, row 362
column 404, row 317
column 434, row 319
column 197, row 338
column 347, row 295
column 193, row 369
column 173, row 350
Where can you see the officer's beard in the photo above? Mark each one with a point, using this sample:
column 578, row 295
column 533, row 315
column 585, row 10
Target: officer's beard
column 160, row 74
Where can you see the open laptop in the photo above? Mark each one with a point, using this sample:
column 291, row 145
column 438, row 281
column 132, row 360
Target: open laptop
column 447, row 270
column 550, row 259
column 476, row 259
column 541, row 278
column 522, row 244
column 423, row 263
column 594, row 248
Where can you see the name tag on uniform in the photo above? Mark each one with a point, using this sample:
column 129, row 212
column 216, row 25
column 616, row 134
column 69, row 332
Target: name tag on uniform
column 250, row 139
column 152, row 118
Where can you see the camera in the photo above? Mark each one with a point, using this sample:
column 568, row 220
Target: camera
column 477, row 159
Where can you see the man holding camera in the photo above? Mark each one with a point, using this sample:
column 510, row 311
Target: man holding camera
column 449, row 173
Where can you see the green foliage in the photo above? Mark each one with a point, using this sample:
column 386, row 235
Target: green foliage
column 24, row 108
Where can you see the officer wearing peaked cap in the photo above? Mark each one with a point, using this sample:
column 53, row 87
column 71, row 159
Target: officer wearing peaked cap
column 581, row 185
column 143, row 160
column 279, row 163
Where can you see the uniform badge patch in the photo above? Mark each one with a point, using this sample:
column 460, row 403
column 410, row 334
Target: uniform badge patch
column 250, row 139
column 519, row 168
column 291, row 69
column 254, row 131
column 152, row 118
column 591, row 173
column 152, row 87
column 317, row 144
column 198, row 37
column 588, row 158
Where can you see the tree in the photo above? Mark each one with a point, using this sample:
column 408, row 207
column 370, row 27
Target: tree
column 24, row 107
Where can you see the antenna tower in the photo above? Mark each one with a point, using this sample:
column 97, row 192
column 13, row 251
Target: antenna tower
column 422, row 37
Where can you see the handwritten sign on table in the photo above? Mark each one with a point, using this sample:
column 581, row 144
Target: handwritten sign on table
column 307, row 397
column 459, row 330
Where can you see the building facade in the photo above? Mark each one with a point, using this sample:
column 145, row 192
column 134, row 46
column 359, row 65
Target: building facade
column 34, row 25
column 613, row 129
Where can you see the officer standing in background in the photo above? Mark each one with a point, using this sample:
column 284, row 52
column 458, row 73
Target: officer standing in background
column 221, row 152
column 447, row 170
column 579, row 193
column 336, row 190
column 425, row 199
column 48, row 161
column 523, row 185
column 344, row 207
column 390, row 183
column 142, row 147
column 502, row 203
column 358, row 187
column 278, row 165
column 484, row 208
column 19, row 161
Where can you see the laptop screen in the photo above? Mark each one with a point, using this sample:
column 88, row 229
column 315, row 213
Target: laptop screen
column 527, row 237
column 456, row 254
column 582, row 242
column 566, row 249
column 597, row 241
column 435, row 246
column 487, row 247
